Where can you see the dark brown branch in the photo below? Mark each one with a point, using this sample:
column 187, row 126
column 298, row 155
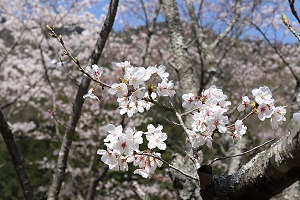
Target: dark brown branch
column 59, row 173
column 277, row 52
column 16, row 158
column 266, row 175
column 94, row 183
column 291, row 2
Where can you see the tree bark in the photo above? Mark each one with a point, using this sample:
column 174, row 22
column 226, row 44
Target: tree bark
column 264, row 176
column 59, row 173
column 16, row 158
column 182, row 64
column 188, row 82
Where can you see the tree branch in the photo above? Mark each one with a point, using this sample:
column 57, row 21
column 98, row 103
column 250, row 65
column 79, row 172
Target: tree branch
column 16, row 158
column 59, row 173
column 264, row 176
column 291, row 2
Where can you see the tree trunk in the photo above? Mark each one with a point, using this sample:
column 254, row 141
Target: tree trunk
column 59, row 173
column 264, row 176
column 16, row 158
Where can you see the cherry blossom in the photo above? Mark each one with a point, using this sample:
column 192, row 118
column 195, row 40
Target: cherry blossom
column 264, row 111
column 263, row 95
column 188, row 100
column 245, row 103
column 132, row 91
column 239, row 129
column 156, row 137
column 165, row 88
column 118, row 88
column 91, row 94
column 277, row 117
column 94, row 71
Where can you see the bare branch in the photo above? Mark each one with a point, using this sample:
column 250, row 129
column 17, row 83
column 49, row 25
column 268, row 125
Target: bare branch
column 237, row 14
column 16, row 158
column 59, row 173
column 278, row 53
column 264, row 176
column 241, row 154
column 289, row 26
column 291, row 2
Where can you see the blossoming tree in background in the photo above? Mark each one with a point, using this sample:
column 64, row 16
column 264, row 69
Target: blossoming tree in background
column 206, row 67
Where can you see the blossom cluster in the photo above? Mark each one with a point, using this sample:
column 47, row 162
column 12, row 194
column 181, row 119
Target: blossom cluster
column 94, row 72
column 139, row 85
column 209, row 116
column 210, row 108
column 264, row 107
column 123, row 148
column 137, row 90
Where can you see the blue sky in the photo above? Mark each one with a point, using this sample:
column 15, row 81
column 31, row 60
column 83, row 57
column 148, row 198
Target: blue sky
column 99, row 9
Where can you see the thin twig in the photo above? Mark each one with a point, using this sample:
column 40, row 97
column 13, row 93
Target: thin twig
column 193, row 159
column 289, row 26
column 158, row 104
column 276, row 50
column 236, row 155
column 74, row 59
column 169, row 165
column 189, row 112
column 248, row 115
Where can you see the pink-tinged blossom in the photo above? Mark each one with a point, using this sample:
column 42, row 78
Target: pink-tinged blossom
column 189, row 100
column 122, row 164
column 95, row 72
column 245, row 104
column 148, row 165
column 136, row 138
column 200, row 156
column 157, row 140
column 108, row 157
column 219, row 121
column 114, row 133
column 195, row 138
column 199, row 119
column 277, row 117
column 156, row 137
column 161, row 72
column 139, row 160
column 118, row 88
column 137, row 95
column 239, row 129
column 148, row 104
column 144, row 172
column 91, row 94
column 264, row 111
column 263, row 95
column 149, row 72
column 129, row 109
column 123, row 65
column 155, row 162
column 124, row 145
column 136, row 79
column 165, row 88
column 213, row 93
column 207, row 139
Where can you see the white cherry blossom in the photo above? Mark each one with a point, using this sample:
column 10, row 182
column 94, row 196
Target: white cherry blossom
column 277, row 117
